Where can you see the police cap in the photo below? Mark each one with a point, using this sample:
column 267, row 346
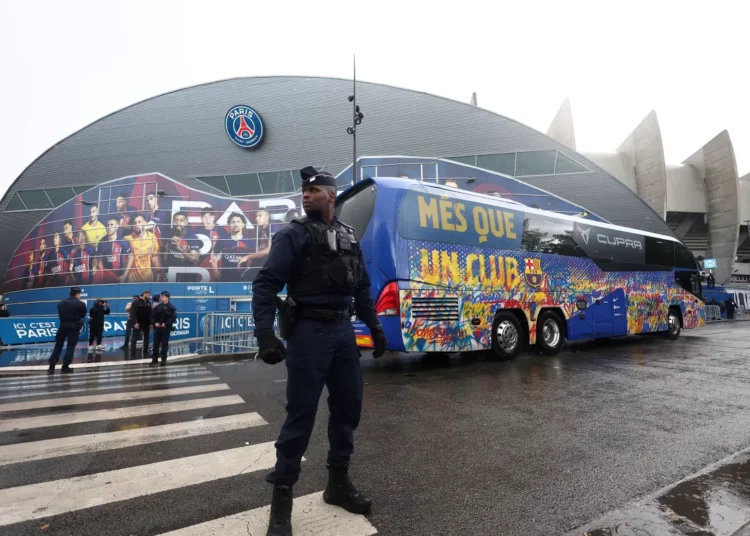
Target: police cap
column 312, row 177
column 74, row 291
column 165, row 293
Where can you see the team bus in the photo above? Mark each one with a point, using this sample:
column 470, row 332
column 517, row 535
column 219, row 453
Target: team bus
column 454, row 270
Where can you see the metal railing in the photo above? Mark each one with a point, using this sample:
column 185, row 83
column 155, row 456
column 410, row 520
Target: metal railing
column 713, row 313
column 230, row 333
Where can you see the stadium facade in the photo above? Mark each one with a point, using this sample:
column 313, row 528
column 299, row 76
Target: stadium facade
column 703, row 199
column 232, row 149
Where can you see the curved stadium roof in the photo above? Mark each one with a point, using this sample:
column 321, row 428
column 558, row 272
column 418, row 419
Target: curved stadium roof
column 181, row 134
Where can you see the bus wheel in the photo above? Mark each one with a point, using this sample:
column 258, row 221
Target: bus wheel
column 675, row 325
column 549, row 333
column 506, row 336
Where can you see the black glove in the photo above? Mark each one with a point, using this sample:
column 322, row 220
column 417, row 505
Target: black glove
column 379, row 340
column 272, row 350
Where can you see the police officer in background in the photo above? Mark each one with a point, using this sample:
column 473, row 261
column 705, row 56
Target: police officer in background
column 71, row 311
column 163, row 317
column 319, row 260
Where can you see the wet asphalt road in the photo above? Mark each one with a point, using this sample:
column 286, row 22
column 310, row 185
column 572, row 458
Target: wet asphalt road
column 589, row 441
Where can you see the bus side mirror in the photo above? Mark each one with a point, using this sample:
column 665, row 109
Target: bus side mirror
column 581, row 305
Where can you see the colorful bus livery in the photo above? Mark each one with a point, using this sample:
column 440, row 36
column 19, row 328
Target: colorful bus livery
column 457, row 271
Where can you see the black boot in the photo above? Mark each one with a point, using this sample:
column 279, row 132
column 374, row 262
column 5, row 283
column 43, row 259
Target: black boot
column 51, row 369
column 154, row 361
column 341, row 492
column 66, row 369
column 280, row 523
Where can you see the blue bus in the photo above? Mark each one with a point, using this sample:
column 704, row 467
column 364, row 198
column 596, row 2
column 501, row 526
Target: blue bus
column 454, row 270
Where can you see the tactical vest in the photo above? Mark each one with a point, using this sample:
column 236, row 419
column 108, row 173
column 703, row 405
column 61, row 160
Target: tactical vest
column 330, row 263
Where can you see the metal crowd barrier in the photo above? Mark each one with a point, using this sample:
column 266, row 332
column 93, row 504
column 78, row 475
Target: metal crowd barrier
column 713, row 313
column 230, row 333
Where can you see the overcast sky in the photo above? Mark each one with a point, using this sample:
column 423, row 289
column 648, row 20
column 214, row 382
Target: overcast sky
column 64, row 64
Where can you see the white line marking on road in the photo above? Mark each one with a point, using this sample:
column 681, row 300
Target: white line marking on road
column 27, row 423
column 310, row 517
column 66, row 446
column 30, row 368
column 112, row 397
column 92, row 374
column 94, row 380
column 48, row 499
column 82, row 388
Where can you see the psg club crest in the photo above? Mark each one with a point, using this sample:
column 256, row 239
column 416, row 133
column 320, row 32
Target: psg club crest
column 244, row 126
column 533, row 272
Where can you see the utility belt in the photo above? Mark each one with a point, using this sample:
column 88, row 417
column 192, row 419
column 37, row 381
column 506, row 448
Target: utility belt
column 317, row 313
column 290, row 312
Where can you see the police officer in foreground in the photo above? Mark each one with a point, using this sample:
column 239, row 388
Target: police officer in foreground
column 319, row 260
column 163, row 317
column 71, row 311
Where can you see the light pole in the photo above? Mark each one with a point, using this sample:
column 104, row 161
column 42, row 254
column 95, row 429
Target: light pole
column 357, row 117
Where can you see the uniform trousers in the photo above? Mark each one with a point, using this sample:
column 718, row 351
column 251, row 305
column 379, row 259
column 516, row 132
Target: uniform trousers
column 319, row 353
column 161, row 343
column 69, row 331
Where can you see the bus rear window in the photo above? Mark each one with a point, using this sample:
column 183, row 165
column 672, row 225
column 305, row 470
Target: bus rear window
column 356, row 210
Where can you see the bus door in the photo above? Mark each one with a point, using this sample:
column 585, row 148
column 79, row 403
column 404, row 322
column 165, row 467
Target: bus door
column 610, row 315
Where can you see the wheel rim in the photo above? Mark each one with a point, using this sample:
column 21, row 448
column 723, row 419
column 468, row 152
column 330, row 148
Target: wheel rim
column 674, row 323
column 507, row 336
column 551, row 333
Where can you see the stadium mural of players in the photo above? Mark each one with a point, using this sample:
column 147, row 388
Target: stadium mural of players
column 148, row 228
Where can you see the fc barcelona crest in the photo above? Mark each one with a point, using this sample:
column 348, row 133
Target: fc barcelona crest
column 533, row 272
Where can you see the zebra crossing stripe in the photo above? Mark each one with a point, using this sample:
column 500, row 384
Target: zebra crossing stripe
column 93, row 379
column 90, row 388
column 66, row 446
column 310, row 517
column 35, row 501
column 27, row 423
column 86, row 374
column 112, row 397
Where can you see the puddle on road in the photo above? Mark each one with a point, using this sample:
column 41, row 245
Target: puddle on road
column 713, row 504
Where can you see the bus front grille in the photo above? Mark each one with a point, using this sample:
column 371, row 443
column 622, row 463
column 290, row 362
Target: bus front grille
column 435, row 308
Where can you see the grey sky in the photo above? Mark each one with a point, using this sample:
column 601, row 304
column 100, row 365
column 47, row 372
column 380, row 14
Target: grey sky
column 66, row 64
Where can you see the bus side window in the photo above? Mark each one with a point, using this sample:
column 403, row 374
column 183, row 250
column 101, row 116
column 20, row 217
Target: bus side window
column 546, row 234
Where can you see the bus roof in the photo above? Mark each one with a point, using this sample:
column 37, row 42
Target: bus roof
column 399, row 183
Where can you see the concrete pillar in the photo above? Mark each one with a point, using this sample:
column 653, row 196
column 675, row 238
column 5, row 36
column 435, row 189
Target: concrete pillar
column 645, row 148
column 561, row 129
column 716, row 164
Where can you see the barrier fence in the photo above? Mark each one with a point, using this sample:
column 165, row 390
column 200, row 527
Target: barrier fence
column 713, row 313
column 229, row 333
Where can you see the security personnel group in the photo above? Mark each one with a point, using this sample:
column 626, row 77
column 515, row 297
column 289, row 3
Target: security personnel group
column 142, row 317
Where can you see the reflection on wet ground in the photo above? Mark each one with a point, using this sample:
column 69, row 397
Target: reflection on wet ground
column 38, row 354
column 715, row 502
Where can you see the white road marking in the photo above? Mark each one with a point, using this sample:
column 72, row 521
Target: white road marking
column 93, row 381
column 96, row 380
column 66, row 446
column 82, row 387
column 95, row 374
column 112, row 397
column 101, row 364
column 48, row 499
column 26, row 423
column 310, row 517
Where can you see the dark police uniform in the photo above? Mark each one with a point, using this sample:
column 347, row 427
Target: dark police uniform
column 71, row 311
column 163, row 313
column 322, row 350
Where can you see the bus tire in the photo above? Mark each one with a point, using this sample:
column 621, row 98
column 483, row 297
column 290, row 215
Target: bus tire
column 550, row 333
column 674, row 324
column 507, row 336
